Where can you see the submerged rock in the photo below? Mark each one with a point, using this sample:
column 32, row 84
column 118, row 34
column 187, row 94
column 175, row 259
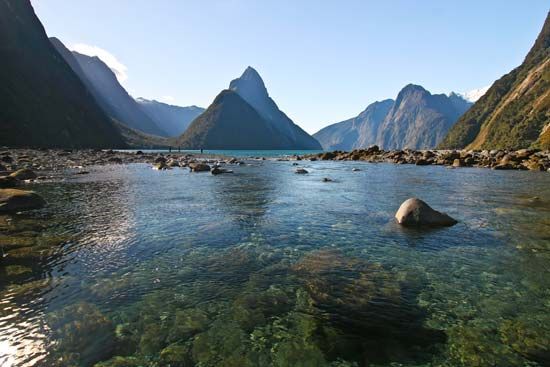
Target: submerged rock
column 24, row 174
column 301, row 171
column 12, row 200
column 415, row 212
column 218, row 170
column 7, row 182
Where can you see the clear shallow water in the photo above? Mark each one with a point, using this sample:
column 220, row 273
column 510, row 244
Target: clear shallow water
column 134, row 267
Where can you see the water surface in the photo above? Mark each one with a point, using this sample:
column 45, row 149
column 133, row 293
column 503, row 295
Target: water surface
column 129, row 266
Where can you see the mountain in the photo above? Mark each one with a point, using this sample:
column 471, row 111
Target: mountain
column 172, row 119
column 104, row 86
column 230, row 123
column 357, row 132
column 515, row 111
column 475, row 94
column 245, row 117
column 43, row 103
column 251, row 88
column 417, row 119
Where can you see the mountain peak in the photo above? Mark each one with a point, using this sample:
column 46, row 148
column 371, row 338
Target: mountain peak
column 410, row 88
column 250, row 82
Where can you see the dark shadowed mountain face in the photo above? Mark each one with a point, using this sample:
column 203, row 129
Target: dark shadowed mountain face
column 515, row 111
column 357, row 132
column 251, row 88
column 43, row 103
column 172, row 119
column 230, row 123
column 419, row 120
column 114, row 98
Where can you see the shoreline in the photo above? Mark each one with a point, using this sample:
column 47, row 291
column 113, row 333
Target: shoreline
column 498, row 159
column 52, row 162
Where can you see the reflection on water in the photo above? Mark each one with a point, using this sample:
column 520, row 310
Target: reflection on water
column 134, row 267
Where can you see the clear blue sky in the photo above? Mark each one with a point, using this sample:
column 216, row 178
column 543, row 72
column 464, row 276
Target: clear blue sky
column 322, row 61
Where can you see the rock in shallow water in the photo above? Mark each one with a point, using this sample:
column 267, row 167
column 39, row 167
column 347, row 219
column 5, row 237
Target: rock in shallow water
column 415, row 212
column 24, row 174
column 12, row 200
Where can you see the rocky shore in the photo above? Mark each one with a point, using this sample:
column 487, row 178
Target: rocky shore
column 523, row 159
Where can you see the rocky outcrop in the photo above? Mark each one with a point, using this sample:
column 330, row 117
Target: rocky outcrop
column 13, row 200
column 415, row 212
column 523, row 159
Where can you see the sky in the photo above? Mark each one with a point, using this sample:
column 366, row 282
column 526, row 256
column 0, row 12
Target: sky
column 322, row 61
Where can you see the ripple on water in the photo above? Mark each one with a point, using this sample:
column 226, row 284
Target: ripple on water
column 130, row 266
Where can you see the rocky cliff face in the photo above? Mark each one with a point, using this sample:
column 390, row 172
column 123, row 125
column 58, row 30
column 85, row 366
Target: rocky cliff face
column 515, row 110
column 416, row 120
column 43, row 103
column 358, row 132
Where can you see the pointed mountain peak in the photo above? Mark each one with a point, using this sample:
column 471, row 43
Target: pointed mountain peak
column 249, row 83
column 250, row 74
column 412, row 88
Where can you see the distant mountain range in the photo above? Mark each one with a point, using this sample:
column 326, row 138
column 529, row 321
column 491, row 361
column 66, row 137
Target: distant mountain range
column 52, row 97
column 149, row 117
column 417, row 119
column 245, row 117
column 43, row 103
column 515, row 111
column 172, row 119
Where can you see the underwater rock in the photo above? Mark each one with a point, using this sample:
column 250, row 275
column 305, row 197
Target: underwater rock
column 24, row 174
column 83, row 334
column 8, row 182
column 216, row 170
column 415, row 212
column 12, row 200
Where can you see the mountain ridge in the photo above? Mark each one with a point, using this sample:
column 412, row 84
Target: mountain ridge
column 514, row 113
column 415, row 119
column 43, row 103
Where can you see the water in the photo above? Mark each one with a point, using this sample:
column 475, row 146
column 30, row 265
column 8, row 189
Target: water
column 129, row 266
column 234, row 153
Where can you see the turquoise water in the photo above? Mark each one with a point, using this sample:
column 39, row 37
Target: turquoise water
column 129, row 266
column 235, row 153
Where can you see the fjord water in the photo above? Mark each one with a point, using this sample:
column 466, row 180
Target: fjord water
column 264, row 267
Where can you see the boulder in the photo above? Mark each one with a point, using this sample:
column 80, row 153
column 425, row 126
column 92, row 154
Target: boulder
column 216, row 170
column 301, row 171
column 24, row 174
column 415, row 212
column 458, row 163
column 13, row 200
column 199, row 167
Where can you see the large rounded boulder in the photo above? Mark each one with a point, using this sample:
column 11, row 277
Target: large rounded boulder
column 14, row 200
column 415, row 212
